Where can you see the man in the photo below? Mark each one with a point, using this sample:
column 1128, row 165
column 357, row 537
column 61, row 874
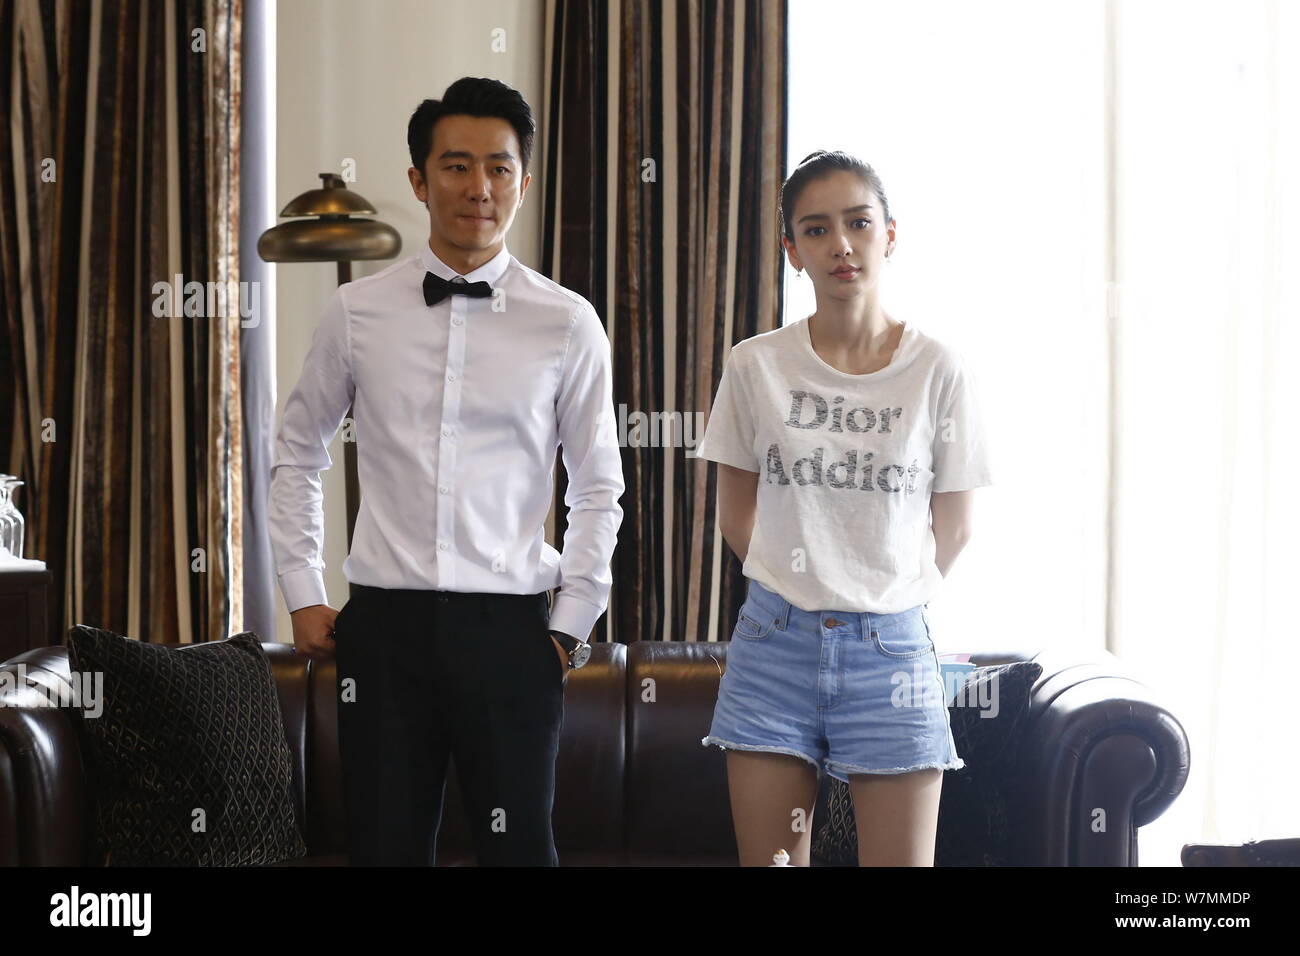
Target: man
column 466, row 370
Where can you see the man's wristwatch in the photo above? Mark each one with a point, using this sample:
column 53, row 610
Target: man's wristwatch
column 578, row 651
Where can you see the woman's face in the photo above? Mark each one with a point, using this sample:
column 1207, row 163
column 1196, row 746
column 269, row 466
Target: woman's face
column 840, row 237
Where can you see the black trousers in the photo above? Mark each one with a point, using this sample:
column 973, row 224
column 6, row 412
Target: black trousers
column 424, row 675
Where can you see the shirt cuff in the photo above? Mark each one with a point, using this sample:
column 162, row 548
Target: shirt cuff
column 571, row 615
column 303, row 588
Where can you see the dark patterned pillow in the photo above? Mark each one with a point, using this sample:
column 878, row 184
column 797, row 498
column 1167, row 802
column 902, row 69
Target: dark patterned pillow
column 188, row 759
column 983, row 802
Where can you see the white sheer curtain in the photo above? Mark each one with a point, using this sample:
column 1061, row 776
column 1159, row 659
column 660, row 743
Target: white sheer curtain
column 1093, row 207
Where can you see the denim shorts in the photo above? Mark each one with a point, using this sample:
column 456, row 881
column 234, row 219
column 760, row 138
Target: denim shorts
column 847, row 692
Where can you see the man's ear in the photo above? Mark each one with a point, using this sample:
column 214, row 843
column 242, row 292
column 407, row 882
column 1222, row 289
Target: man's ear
column 523, row 186
column 417, row 184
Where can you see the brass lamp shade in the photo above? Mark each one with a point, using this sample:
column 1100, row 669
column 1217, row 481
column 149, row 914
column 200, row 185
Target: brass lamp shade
column 325, row 230
column 329, row 240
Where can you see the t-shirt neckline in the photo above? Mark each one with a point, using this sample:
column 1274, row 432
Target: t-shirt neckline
column 902, row 354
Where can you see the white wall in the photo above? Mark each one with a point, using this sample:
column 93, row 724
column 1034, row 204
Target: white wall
column 349, row 74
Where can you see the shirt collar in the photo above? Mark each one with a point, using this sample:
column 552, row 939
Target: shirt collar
column 490, row 272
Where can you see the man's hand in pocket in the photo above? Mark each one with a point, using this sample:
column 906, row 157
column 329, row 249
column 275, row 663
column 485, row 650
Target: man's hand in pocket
column 313, row 631
column 564, row 655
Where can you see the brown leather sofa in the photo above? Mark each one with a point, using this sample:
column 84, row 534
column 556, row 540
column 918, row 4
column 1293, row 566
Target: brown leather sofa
column 635, row 787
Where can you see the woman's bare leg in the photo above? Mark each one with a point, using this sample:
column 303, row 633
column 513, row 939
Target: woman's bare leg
column 897, row 816
column 766, row 791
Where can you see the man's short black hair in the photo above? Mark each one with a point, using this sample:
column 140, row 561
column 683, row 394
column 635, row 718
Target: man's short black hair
column 471, row 96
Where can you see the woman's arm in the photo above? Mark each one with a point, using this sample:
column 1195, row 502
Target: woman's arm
column 737, row 505
column 950, row 517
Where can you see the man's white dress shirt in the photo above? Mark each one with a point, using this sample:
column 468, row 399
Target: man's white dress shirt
column 458, row 409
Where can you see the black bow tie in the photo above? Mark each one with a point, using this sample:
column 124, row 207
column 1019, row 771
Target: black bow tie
column 437, row 288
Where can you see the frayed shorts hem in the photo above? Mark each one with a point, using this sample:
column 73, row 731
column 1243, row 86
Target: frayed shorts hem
column 759, row 748
column 838, row 769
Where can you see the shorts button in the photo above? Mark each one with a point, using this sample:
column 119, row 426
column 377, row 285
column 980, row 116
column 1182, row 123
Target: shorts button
column 831, row 622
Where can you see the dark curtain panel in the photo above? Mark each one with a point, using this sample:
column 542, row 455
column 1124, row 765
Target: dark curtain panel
column 664, row 149
column 118, row 172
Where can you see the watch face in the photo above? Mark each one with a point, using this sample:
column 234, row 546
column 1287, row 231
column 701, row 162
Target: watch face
column 580, row 654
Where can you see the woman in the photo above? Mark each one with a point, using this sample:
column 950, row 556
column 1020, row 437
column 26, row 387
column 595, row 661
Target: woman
column 847, row 446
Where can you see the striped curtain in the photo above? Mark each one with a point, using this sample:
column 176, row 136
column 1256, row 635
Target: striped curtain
column 664, row 148
column 118, row 173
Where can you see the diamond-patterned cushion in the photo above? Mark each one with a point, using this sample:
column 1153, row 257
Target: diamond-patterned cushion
column 189, row 765
column 982, row 806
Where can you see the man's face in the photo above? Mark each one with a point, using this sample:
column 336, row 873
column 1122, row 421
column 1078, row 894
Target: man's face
column 471, row 182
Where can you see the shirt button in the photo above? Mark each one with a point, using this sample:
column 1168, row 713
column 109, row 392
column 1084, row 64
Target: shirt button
column 442, row 489
column 442, row 546
column 446, row 431
column 451, row 377
column 457, row 321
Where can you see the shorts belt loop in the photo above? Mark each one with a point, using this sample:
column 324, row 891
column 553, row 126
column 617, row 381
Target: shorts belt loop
column 783, row 619
column 864, row 617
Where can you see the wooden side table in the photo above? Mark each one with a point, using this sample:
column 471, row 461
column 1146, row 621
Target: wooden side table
column 23, row 603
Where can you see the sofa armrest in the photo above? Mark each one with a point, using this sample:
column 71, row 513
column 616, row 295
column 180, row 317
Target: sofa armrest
column 8, row 811
column 43, row 765
column 1103, row 757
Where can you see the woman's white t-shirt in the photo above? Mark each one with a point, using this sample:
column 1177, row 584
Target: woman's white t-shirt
column 846, row 465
